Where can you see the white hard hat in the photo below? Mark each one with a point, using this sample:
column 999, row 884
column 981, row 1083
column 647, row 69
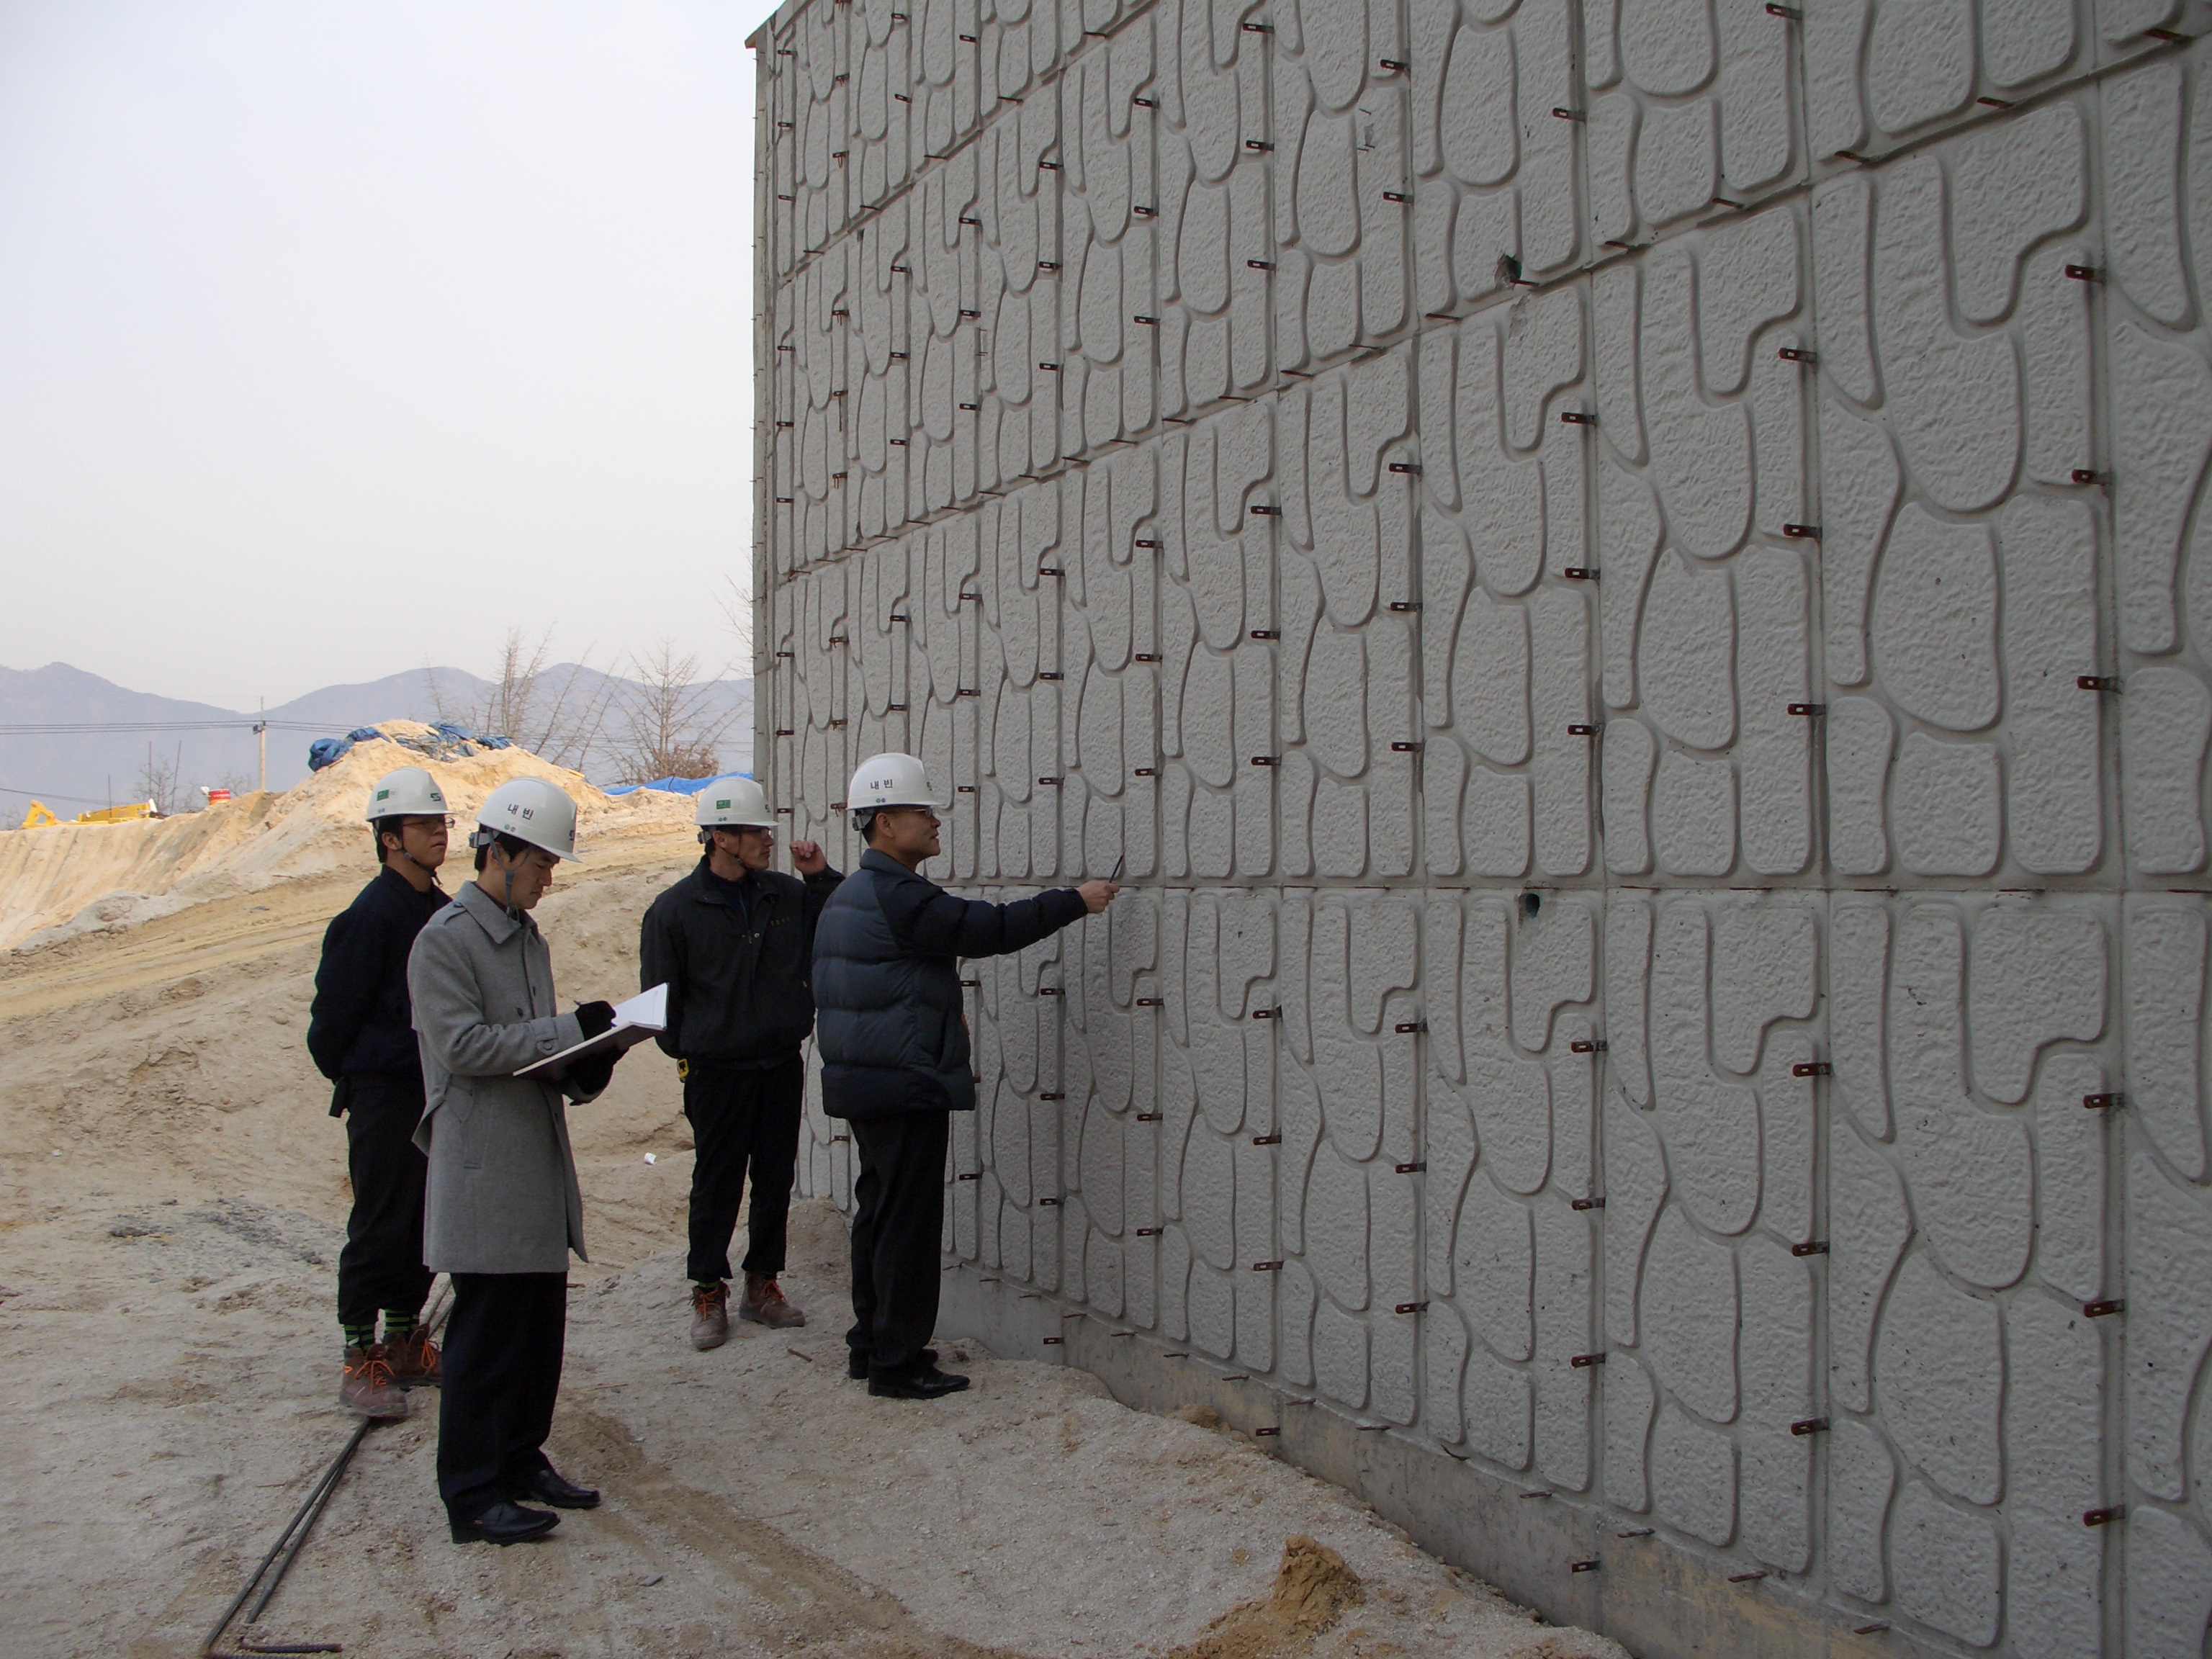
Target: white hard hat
column 531, row 809
column 889, row 780
column 732, row 803
column 409, row 793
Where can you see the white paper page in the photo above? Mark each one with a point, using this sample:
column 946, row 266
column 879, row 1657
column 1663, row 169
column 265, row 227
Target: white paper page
column 648, row 1008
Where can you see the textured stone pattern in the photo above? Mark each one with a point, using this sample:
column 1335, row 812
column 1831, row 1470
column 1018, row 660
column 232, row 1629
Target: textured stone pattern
column 1411, row 479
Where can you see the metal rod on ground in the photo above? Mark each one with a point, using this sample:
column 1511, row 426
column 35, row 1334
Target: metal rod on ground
column 321, row 1490
column 303, row 1522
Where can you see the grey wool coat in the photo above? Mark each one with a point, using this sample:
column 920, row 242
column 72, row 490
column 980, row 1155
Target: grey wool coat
column 502, row 1191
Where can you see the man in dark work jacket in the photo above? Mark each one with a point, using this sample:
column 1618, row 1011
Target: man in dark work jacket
column 734, row 943
column 894, row 1042
column 362, row 1035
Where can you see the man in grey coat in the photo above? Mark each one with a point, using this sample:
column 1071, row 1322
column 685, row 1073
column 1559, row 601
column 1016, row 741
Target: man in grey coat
column 503, row 1208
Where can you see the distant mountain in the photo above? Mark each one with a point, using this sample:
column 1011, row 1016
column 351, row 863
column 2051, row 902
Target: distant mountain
column 71, row 772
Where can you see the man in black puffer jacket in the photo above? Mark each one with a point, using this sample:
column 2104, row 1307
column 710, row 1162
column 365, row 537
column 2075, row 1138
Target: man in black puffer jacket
column 361, row 1032
column 734, row 943
column 894, row 1042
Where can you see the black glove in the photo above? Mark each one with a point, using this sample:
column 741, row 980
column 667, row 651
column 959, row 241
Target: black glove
column 595, row 1017
column 593, row 1072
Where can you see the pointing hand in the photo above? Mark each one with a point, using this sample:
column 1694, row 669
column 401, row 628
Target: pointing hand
column 1098, row 895
column 806, row 858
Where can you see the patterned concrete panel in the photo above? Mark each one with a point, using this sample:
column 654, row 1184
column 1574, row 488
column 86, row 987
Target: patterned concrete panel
column 1622, row 579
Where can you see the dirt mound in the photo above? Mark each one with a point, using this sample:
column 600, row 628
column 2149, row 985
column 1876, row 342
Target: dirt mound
column 1313, row 1587
column 79, row 878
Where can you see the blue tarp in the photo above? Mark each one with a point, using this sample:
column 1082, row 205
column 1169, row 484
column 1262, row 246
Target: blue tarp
column 327, row 751
column 675, row 786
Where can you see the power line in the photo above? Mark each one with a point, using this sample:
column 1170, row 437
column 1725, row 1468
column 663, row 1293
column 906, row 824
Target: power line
column 52, row 795
column 77, row 728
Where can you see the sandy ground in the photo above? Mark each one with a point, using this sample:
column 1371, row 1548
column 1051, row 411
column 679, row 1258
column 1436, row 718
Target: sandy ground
column 172, row 1196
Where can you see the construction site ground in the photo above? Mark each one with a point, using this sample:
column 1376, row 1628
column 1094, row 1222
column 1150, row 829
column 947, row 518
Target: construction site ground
column 173, row 1197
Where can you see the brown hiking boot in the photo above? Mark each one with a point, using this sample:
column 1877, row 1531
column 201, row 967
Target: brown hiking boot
column 415, row 1363
column 367, row 1386
column 710, row 1317
column 764, row 1303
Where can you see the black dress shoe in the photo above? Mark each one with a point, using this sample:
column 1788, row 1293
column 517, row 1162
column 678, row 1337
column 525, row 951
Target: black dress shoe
column 546, row 1486
column 925, row 1383
column 856, row 1363
column 505, row 1523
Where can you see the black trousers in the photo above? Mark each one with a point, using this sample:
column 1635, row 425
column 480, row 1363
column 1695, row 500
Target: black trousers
column 381, row 1265
column 742, row 1121
column 502, row 1374
column 898, row 1222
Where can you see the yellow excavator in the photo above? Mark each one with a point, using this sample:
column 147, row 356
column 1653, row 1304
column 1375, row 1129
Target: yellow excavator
column 41, row 815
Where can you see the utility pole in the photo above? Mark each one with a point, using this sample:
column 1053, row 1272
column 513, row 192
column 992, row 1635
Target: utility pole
column 261, row 731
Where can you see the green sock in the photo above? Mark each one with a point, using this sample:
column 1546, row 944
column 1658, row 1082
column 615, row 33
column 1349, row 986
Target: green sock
column 397, row 1327
column 360, row 1336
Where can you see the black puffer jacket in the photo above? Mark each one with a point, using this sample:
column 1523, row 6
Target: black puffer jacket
column 740, row 982
column 359, row 1025
column 893, row 1037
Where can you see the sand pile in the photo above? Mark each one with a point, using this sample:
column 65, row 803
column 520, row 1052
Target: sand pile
column 77, row 878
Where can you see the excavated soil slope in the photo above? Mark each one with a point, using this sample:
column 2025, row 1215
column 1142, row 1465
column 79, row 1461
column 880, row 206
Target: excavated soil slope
column 172, row 1196
column 88, row 876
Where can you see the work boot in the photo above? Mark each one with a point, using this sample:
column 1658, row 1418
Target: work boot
column 710, row 1315
column 764, row 1303
column 415, row 1363
column 924, row 1382
column 367, row 1386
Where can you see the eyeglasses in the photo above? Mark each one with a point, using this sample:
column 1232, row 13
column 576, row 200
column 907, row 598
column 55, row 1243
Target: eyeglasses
column 426, row 824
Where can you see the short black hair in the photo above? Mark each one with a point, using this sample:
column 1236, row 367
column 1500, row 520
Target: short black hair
column 379, row 829
column 513, row 846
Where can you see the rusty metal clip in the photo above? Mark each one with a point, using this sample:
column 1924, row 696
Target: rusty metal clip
column 971, row 1174
column 1810, row 1246
column 1151, row 1002
column 1809, row 1425
column 1148, row 1232
column 1408, row 1027
column 1146, row 103
column 1586, row 1204
column 2106, row 1516
column 1577, row 417
column 1583, row 1361
column 1049, row 1203
column 1143, row 321
column 1813, row 1068
column 1266, row 760
column 1802, row 532
column 1404, row 606
column 2099, row 1309
column 1399, row 195
column 1144, row 772
column 1051, row 1094
column 1258, row 264
column 1148, row 1117
column 1267, row 634
column 1591, row 1045
column 1275, row 1140
column 1414, row 1168
column 2097, row 682
column 1589, row 1566
column 1267, row 1266
column 1413, row 1307
column 1405, row 749
column 1579, row 573
column 1267, row 1014
column 1565, row 114
column 1797, row 355
column 1810, row 710
column 1257, row 144
column 2104, row 1102
column 1584, row 729
column 2085, row 273
column 834, row 1140
column 1261, row 511
column 1411, row 468
column 1392, row 65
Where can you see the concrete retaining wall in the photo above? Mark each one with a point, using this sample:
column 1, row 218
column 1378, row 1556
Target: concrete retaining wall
column 1624, row 577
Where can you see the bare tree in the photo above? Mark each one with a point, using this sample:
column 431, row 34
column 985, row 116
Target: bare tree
column 737, row 602
column 160, row 781
column 669, row 726
column 555, row 715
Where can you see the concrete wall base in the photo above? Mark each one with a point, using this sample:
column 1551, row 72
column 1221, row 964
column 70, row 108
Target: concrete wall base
column 1656, row 1597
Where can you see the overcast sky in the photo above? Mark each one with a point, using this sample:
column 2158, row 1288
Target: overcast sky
column 340, row 337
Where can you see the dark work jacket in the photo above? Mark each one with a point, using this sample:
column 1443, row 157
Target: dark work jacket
column 360, row 1027
column 892, row 1032
column 740, row 988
